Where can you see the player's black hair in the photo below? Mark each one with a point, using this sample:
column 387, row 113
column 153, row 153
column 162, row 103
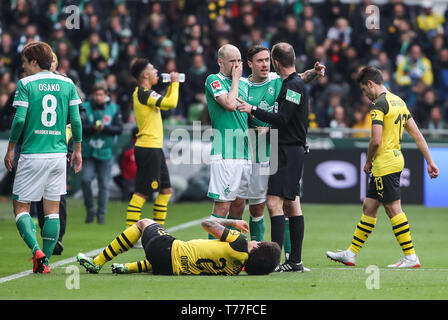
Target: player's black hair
column 263, row 259
column 370, row 73
column 138, row 66
column 284, row 53
column 254, row 50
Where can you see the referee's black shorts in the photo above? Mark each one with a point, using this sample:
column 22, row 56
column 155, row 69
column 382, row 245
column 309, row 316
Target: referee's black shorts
column 285, row 182
column 152, row 172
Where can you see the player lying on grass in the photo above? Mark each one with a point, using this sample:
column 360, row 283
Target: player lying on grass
column 168, row 256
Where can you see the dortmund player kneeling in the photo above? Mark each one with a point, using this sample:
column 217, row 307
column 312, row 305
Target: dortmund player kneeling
column 390, row 116
column 165, row 255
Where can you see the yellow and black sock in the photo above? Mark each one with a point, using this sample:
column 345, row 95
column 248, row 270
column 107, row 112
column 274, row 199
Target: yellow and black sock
column 138, row 266
column 161, row 208
column 120, row 244
column 134, row 210
column 362, row 232
column 400, row 227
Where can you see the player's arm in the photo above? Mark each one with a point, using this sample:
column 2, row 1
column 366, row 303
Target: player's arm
column 374, row 145
column 217, row 227
column 172, row 95
column 229, row 100
column 412, row 129
column 76, row 125
column 312, row 74
column 16, row 130
column 286, row 109
column 151, row 98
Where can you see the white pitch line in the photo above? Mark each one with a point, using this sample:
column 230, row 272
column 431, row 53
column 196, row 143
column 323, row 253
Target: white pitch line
column 94, row 252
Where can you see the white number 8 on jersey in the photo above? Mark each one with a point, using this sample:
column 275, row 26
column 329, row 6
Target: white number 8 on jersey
column 49, row 109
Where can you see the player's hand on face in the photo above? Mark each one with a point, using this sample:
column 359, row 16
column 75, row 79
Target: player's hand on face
column 243, row 106
column 237, row 70
column 368, row 167
column 433, row 170
column 174, row 76
column 242, row 225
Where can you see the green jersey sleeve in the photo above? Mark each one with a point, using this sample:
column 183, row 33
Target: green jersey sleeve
column 21, row 96
column 75, row 118
column 214, row 86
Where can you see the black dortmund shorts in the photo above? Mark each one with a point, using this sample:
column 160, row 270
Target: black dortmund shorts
column 285, row 182
column 152, row 172
column 385, row 188
column 157, row 243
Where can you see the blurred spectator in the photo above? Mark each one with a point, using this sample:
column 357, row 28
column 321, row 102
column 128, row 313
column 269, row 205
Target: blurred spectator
column 92, row 49
column 338, row 122
column 29, row 35
column 341, row 32
column 318, row 26
column 414, row 67
column 101, row 126
column 290, row 33
column 271, row 13
column 441, row 71
column 333, row 10
column 193, row 90
column 362, row 120
column 128, row 168
column 423, row 108
column 429, row 22
column 8, row 57
column 436, row 122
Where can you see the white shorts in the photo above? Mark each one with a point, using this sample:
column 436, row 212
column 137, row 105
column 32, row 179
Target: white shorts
column 40, row 176
column 258, row 183
column 229, row 179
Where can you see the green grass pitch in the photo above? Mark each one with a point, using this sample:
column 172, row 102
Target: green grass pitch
column 327, row 227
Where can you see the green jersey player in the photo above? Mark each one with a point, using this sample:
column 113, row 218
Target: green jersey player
column 43, row 101
column 230, row 158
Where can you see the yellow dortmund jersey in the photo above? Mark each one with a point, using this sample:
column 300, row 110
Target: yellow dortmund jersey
column 147, row 106
column 203, row 256
column 391, row 112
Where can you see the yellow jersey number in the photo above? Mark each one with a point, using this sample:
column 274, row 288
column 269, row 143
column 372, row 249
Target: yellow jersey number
column 401, row 120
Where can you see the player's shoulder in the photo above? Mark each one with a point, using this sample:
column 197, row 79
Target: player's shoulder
column 46, row 76
column 381, row 103
column 294, row 81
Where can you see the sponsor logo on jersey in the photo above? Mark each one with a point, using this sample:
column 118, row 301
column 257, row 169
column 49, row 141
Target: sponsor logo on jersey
column 155, row 95
column 293, row 96
column 216, row 85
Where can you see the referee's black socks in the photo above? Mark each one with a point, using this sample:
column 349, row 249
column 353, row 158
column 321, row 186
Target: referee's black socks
column 278, row 229
column 296, row 231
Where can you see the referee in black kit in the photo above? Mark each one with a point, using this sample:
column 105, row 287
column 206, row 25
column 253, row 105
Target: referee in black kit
column 290, row 118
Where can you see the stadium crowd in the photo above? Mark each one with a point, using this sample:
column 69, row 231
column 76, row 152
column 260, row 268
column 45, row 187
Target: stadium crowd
column 410, row 46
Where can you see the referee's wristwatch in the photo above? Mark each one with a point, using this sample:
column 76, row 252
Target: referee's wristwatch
column 253, row 109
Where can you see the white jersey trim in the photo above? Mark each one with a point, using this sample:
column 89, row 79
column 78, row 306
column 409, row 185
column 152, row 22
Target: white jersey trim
column 75, row 102
column 45, row 75
column 20, row 103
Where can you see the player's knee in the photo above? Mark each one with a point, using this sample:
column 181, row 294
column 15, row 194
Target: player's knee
column 143, row 223
column 166, row 191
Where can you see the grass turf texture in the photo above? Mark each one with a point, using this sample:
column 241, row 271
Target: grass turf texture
column 327, row 227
